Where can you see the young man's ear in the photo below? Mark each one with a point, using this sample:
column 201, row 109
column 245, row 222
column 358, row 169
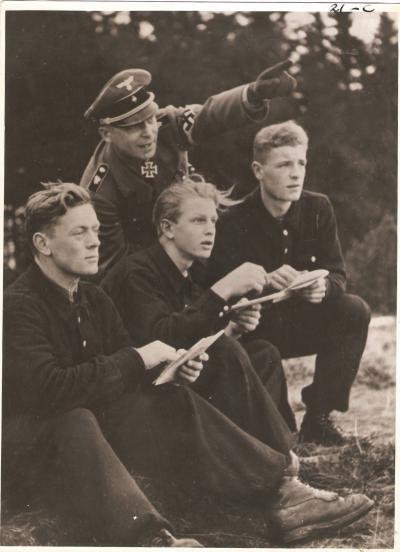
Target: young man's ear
column 257, row 169
column 40, row 242
column 105, row 133
column 166, row 227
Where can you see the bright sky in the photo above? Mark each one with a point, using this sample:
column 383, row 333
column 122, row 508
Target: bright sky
column 364, row 24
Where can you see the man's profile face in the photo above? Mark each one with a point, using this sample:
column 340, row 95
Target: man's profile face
column 193, row 234
column 74, row 243
column 281, row 174
column 138, row 141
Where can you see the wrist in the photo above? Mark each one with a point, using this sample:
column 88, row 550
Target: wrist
column 222, row 289
column 143, row 353
column 251, row 102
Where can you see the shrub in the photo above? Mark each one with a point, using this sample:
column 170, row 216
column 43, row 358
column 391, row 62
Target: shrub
column 371, row 266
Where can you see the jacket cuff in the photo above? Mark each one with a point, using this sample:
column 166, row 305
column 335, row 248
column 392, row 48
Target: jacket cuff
column 212, row 304
column 255, row 113
column 131, row 366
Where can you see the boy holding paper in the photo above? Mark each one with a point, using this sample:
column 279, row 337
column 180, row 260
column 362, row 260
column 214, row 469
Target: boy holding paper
column 159, row 299
column 77, row 406
column 286, row 229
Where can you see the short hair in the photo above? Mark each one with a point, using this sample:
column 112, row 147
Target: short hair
column 275, row 136
column 169, row 202
column 43, row 208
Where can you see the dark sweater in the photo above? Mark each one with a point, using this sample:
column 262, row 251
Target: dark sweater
column 59, row 355
column 157, row 302
column 306, row 238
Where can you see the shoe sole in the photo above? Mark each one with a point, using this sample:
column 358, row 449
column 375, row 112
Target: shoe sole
column 313, row 531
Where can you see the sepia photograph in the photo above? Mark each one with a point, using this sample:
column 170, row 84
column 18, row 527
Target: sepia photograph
column 199, row 274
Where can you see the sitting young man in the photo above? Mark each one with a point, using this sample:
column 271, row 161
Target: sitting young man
column 286, row 229
column 158, row 299
column 66, row 358
column 77, row 399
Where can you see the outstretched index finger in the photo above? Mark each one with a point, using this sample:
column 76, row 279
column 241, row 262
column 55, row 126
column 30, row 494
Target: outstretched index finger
column 275, row 70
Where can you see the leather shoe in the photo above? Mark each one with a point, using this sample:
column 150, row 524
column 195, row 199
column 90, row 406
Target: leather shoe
column 300, row 512
column 164, row 538
column 320, row 429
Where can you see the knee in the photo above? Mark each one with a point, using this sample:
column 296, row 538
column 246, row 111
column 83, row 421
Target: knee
column 270, row 351
column 229, row 350
column 79, row 423
column 263, row 351
column 355, row 311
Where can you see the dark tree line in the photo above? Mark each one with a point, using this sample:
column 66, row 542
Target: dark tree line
column 346, row 99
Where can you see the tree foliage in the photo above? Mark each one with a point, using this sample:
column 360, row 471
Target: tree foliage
column 346, row 97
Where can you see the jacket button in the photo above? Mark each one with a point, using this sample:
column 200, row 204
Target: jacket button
column 313, row 259
column 286, row 251
column 285, row 232
column 84, row 343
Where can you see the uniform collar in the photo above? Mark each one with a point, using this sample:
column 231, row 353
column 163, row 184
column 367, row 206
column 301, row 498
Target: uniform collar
column 168, row 268
column 54, row 295
column 127, row 175
column 70, row 294
column 291, row 218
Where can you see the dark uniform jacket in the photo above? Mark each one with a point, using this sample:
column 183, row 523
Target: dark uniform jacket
column 157, row 302
column 306, row 239
column 59, row 355
column 124, row 190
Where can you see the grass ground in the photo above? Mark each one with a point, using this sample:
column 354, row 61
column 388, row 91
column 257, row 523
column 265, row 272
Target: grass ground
column 365, row 465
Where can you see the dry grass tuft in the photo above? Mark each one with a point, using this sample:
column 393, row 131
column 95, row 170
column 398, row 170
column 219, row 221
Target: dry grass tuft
column 345, row 470
column 365, row 465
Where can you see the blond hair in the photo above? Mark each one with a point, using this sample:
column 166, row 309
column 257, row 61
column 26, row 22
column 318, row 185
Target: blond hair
column 169, row 202
column 276, row 136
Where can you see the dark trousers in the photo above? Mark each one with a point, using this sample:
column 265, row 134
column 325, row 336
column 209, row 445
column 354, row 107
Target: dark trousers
column 336, row 330
column 168, row 432
column 235, row 378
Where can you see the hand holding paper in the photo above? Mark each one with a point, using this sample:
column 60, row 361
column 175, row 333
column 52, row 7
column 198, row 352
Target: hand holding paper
column 156, row 353
column 303, row 281
column 245, row 278
column 282, row 277
column 170, row 372
column 315, row 292
column 189, row 372
column 307, row 279
column 244, row 320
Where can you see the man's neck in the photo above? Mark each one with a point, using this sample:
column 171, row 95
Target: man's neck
column 277, row 209
column 67, row 282
column 125, row 158
column 181, row 262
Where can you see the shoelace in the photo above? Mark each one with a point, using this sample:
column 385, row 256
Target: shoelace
column 328, row 422
column 318, row 493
